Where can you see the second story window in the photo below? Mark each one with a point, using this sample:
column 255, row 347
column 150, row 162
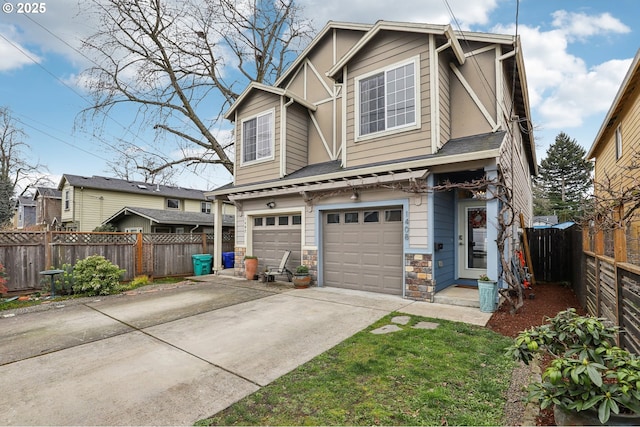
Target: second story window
column 173, row 204
column 387, row 99
column 205, row 207
column 258, row 137
column 67, row 200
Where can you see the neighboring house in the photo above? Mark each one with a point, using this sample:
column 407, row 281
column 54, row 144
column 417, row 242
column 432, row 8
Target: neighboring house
column 544, row 221
column 145, row 220
column 89, row 202
column 616, row 155
column 336, row 159
column 25, row 213
column 48, row 207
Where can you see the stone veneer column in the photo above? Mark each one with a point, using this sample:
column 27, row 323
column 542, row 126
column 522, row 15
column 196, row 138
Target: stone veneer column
column 239, row 261
column 419, row 283
column 310, row 259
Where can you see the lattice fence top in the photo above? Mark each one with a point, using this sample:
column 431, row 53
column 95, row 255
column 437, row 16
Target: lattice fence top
column 93, row 238
column 168, row 238
column 22, row 238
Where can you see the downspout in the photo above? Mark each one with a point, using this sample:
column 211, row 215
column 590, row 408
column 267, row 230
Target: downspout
column 194, row 229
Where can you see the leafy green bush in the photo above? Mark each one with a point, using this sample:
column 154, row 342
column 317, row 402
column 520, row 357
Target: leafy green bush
column 64, row 281
column 95, row 275
column 139, row 281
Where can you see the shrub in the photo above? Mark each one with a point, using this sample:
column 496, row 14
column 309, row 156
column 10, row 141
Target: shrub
column 3, row 281
column 139, row 281
column 95, row 275
column 64, row 282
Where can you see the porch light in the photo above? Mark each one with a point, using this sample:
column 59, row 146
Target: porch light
column 271, row 205
column 354, row 196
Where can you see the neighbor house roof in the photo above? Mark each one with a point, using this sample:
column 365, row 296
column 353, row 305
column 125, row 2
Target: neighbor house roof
column 125, row 186
column 25, row 201
column 483, row 146
column 630, row 82
column 51, row 193
column 161, row 216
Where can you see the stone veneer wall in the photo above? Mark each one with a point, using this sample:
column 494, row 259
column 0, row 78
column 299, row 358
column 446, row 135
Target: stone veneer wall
column 310, row 259
column 419, row 283
column 239, row 261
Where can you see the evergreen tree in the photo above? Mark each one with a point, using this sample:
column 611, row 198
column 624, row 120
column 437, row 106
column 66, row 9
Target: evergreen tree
column 564, row 178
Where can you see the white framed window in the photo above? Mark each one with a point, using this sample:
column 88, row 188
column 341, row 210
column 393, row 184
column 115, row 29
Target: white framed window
column 173, row 204
column 388, row 100
column 618, row 143
column 258, row 137
column 205, row 207
column 67, row 200
column 133, row 230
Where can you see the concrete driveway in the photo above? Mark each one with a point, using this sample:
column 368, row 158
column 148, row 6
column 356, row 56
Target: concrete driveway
column 174, row 356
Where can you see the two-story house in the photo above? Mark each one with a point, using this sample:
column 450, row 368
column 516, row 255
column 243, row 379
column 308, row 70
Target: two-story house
column 616, row 155
column 24, row 216
column 339, row 159
column 133, row 206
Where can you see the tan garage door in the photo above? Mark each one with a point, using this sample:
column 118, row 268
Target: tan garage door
column 362, row 249
column 272, row 235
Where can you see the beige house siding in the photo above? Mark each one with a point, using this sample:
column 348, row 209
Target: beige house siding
column 257, row 103
column 418, row 222
column 297, row 136
column 444, row 98
column 384, row 50
column 480, row 75
column 67, row 214
column 134, row 221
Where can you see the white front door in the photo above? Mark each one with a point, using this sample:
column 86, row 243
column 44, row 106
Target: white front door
column 472, row 239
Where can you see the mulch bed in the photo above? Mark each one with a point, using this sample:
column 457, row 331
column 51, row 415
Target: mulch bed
column 548, row 299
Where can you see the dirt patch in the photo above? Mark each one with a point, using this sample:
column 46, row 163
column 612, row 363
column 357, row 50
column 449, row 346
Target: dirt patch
column 544, row 300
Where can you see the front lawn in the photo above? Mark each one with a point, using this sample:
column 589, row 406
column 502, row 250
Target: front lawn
column 456, row 374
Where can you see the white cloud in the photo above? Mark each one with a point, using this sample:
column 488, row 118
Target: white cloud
column 579, row 26
column 367, row 11
column 563, row 91
column 14, row 55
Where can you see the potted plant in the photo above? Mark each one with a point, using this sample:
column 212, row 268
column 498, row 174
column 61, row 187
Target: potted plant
column 301, row 277
column 590, row 380
column 488, row 291
column 250, row 266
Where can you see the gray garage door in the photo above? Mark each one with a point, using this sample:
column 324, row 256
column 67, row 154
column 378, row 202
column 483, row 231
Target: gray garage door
column 362, row 249
column 272, row 235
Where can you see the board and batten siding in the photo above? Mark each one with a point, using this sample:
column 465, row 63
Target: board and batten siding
column 386, row 49
column 257, row 103
column 297, row 137
column 444, row 82
column 418, row 224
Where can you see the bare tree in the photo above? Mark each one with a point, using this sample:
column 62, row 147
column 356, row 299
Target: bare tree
column 136, row 166
column 183, row 62
column 15, row 170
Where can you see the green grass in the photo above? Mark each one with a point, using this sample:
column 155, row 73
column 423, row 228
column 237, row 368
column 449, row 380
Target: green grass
column 456, row 374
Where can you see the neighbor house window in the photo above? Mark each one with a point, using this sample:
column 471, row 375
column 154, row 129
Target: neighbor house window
column 205, row 207
column 67, row 200
column 387, row 99
column 618, row 143
column 258, row 137
column 173, row 204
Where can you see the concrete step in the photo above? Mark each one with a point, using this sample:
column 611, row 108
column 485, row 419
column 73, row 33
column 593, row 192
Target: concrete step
column 462, row 296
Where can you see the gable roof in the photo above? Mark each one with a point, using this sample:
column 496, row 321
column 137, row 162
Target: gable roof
column 49, row 192
column 379, row 26
column 630, row 82
column 161, row 216
column 26, row 201
column 270, row 89
column 135, row 187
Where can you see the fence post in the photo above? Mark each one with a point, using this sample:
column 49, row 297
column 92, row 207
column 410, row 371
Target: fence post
column 139, row 255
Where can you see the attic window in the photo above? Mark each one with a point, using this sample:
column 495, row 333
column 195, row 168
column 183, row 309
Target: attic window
column 387, row 99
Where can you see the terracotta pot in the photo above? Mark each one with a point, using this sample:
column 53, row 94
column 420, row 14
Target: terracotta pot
column 250, row 268
column 564, row 417
column 301, row 281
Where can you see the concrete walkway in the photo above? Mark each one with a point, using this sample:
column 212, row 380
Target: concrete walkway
column 175, row 356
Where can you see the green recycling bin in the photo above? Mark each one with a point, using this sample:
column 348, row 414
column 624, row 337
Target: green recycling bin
column 488, row 296
column 201, row 264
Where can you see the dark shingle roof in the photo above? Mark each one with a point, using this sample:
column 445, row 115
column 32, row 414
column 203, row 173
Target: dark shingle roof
column 137, row 187
column 162, row 216
column 52, row 193
column 465, row 145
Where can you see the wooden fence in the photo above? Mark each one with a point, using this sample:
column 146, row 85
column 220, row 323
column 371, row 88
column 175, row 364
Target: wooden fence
column 26, row 254
column 612, row 291
column 553, row 254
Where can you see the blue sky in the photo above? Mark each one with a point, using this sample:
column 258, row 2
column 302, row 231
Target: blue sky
column 576, row 55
